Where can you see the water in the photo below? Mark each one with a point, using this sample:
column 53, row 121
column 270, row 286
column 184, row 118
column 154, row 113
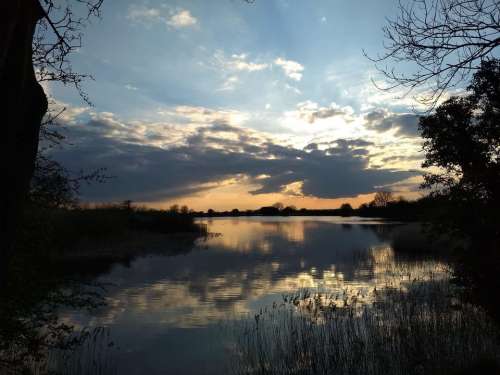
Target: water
column 166, row 314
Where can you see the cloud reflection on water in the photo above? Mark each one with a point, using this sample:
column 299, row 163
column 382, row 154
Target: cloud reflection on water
column 250, row 265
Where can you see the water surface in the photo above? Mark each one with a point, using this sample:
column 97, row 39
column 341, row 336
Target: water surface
column 166, row 313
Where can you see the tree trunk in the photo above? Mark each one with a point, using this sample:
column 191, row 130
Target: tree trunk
column 23, row 106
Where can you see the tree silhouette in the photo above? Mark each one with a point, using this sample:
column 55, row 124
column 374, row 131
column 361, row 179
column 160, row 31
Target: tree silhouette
column 445, row 40
column 30, row 55
column 462, row 138
column 346, row 209
column 279, row 206
column 382, row 198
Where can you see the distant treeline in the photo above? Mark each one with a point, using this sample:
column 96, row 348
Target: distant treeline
column 384, row 205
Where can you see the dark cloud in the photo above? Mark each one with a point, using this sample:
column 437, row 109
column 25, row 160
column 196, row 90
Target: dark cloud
column 399, row 158
column 381, row 120
column 150, row 173
column 310, row 112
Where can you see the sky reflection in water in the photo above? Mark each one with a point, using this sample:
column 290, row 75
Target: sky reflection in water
column 164, row 311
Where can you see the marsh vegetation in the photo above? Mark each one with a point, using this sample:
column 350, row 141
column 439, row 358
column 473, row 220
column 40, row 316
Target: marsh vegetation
column 422, row 327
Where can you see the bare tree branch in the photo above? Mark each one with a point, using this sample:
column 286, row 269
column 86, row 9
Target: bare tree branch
column 58, row 35
column 444, row 41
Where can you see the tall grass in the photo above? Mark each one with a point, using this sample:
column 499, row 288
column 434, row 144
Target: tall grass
column 95, row 356
column 87, row 352
column 422, row 328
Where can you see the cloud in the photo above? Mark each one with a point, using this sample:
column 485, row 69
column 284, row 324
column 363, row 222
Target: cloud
column 236, row 67
column 203, row 115
column 229, row 84
column 239, row 62
column 291, row 68
column 381, row 120
column 149, row 167
column 311, row 111
column 177, row 19
column 232, row 67
column 143, row 14
column 182, row 18
column 293, row 89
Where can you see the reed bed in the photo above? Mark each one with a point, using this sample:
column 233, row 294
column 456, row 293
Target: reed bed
column 418, row 328
column 87, row 352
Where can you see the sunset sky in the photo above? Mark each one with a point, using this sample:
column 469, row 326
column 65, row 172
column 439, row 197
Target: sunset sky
column 224, row 104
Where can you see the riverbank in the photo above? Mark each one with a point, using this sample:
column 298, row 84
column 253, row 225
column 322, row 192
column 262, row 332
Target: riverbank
column 103, row 231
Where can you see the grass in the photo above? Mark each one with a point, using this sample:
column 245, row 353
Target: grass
column 420, row 328
column 88, row 352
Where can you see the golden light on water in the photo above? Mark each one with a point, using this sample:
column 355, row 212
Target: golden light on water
column 266, row 267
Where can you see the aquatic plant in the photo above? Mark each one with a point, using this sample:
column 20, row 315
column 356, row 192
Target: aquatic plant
column 419, row 328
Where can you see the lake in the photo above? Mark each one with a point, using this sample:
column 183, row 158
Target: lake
column 167, row 314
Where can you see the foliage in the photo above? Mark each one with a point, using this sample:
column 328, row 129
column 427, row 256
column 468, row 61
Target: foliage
column 53, row 186
column 462, row 140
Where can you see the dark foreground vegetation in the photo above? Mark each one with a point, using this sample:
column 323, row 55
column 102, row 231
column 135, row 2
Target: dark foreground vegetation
column 419, row 328
column 416, row 330
column 60, row 250
column 67, row 226
column 112, row 231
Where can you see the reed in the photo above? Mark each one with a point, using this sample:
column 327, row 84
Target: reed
column 419, row 328
column 87, row 352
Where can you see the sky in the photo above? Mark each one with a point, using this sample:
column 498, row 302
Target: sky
column 224, row 104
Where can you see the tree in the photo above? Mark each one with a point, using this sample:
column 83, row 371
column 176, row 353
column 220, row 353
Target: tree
column 289, row 210
column 382, row 198
column 52, row 185
column 278, row 205
column 444, row 40
column 29, row 55
column 462, row 138
column 346, row 207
